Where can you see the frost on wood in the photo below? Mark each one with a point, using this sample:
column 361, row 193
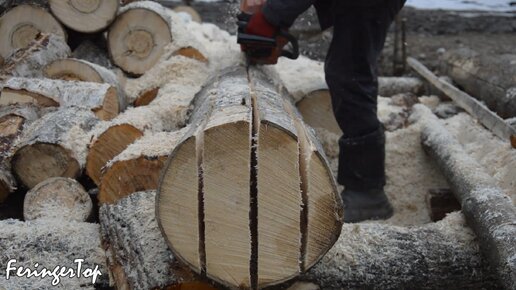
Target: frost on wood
column 488, row 209
column 444, row 255
column 51, row 243
column 55, row 145
column 29, row 62
column 59, row 198
column 138, row 255
column 100, row 98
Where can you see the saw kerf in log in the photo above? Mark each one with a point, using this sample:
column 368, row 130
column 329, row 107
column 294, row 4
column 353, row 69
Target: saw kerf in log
column 261, row 216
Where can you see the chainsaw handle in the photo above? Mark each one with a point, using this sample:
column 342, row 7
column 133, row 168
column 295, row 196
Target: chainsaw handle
column 294, row 54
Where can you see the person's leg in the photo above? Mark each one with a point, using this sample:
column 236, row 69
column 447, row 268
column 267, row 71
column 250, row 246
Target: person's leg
column 351, row 73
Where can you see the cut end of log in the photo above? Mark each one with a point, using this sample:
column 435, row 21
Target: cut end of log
column 146, row 98
column 21, row 25
column 246, row 199
column 316, row 109
column 61, row 198
column 136, row 45
column 124, row 178
column 513, row 141
column 192, row 53
column 110, row 107
column 85, row 16
column 11, row 96
column 35, row 163
column 107, row 146
column 72, row 70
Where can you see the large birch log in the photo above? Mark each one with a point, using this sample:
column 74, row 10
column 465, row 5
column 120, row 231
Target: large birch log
column 246, row 150
column 85, row 16
column 29, row 62
column 51, row 243
column 136, row 46
column 488, row 209
column 21, row 25
column 58, row 198
column 487, row 78
column 101, row 99
column 53, row 146
column 168, row 112
column 444, row 255
column 138, row 168
column 85, row 71
column 13, row 120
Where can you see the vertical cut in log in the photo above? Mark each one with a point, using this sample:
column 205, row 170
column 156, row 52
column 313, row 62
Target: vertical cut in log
column 84, row 71
column 53, row 146
column 101, row 99
column 136, row 45
column 29, row 62
column 489, row 211
column 251, row 232
column 85, row 16
column 137, row 168
column 21, row 25
column 443, row 255
column 59, row 198
column 52, row 243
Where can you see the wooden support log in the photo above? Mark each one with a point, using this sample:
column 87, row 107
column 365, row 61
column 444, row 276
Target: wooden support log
column 138, row 168
column 21, row 25
column 59, row 198
column 262, row 187
column 168, row 112
column 478, row 110
column 29, row 62
column 487, row 78
column 489, row 211
column 101, row 99
column 53, row 146
column 85, row 71
column 136, row 46
column 85, row 16
column 444, row 255
column 51, row 243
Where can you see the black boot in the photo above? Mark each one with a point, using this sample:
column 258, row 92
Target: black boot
column 362, row 172
column 366, row 205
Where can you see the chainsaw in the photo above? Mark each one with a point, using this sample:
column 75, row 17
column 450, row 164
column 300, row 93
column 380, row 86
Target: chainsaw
column 260, row 49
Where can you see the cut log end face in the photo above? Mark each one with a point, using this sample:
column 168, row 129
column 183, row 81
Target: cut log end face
column 62, row 198
column 513, row 141
column 110, row 107
column 22, row 24
column 72, row 70
column 9, row 97
column 85, row 16
column 316, row 109
column 36, row 163
column 192, row 53
column 136, row 45
column 239, row 188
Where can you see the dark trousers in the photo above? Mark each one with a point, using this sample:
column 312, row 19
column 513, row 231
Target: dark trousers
column 351, row 73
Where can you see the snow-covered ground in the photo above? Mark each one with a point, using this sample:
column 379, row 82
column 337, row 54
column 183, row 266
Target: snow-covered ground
column 481, row 5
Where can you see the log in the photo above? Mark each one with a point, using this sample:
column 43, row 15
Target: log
column 58, row 198
column 488, row 210
column 138, row 167
column 21, row 25
column 190, row 11
column 247, row 198
column 168, row 112
column 53, row 146
column 13, row 120
column 487, row 78
column 85, row 16
column 51, row 243
column 29, row 62
column 136, row 46
column 475, row 108
column 85, row 71
column 101, row 99
column 443, row 255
